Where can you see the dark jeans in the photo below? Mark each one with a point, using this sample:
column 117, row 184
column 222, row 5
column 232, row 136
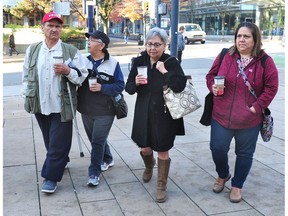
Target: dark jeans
column 57, row 137
column 11, row 49
column 245, row 145
column 180, row 56
column 97, row 129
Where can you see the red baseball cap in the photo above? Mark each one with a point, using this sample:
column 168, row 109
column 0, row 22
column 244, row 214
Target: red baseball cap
column 51, row 15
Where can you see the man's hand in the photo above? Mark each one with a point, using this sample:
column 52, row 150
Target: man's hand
column 61, row 69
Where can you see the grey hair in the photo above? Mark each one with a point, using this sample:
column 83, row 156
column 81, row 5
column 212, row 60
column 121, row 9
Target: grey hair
column 156, row 31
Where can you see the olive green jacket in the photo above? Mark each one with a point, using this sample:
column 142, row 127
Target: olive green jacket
column 32, row 102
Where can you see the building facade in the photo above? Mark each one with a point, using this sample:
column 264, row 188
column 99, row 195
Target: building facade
column 223, row 16
column 216, row 17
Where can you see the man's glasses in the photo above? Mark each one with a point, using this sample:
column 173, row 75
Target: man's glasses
column 156, row 45
column 93, row 40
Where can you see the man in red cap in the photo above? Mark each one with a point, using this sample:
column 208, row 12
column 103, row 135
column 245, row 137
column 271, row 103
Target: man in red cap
column 49, row 67
column 51, row 15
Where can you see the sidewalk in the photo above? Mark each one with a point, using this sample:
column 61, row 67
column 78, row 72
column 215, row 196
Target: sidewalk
column 121, row 190
column 116, row 47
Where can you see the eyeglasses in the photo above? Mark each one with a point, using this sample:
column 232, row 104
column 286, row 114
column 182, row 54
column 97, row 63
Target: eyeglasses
column 244, row 36
column 156, row 45
column 93, row 40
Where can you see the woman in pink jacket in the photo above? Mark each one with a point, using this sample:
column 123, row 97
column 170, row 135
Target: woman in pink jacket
column 237, row 113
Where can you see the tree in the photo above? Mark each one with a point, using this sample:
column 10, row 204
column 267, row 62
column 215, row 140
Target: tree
column 35, row 9
column 132, row 10
column 76, row 7
column 105, row 7
column 127, row 9
column 115, row 15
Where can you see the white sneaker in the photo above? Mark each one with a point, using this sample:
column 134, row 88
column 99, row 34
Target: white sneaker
column 93, row 181
column 105, row 166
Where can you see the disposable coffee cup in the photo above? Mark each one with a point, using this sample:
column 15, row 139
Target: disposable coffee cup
column 57, row 59
column 142, row 70
column 92, row 80
column 219, row 82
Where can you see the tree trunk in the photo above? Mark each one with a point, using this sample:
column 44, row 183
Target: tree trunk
column 105, row 27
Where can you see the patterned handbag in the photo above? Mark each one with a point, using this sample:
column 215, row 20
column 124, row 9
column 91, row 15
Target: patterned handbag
column 182, row 103
column 267, row 128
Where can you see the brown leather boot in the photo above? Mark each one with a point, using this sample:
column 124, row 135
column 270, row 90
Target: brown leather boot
column 163, row 170
column 149, row 162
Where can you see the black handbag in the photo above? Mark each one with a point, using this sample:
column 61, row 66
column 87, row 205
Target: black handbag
column 208, row 107
column 120, row 105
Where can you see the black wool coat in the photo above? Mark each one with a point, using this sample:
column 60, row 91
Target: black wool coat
column 150, row 111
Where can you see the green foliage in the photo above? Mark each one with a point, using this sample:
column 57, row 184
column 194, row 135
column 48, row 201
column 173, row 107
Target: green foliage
column 13, row 27
column 35, row 9
column 72, row 33
column 5, row 38
column 105, row 8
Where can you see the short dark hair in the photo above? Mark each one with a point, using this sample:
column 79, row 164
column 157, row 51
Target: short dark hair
column 257, row 49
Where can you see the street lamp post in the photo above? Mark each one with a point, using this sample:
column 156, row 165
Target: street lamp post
column 158, row 20
column 174, row 27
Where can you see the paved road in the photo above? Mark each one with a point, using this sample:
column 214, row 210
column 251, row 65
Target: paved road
column 121, row 191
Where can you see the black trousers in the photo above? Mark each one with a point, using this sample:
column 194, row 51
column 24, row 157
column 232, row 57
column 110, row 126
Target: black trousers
column 57, row 137
column 11, row 49
column 180, row 56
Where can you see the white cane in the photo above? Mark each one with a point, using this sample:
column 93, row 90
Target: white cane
column 75, row 121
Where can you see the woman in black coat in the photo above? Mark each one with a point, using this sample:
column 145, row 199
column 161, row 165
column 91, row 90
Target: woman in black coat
column 153, row 127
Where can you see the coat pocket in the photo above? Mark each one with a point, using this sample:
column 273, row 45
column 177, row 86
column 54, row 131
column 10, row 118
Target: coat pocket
column 66, row 111
column 31, row 101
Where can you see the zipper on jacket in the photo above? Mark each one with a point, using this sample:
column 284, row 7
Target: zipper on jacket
column 229, row 121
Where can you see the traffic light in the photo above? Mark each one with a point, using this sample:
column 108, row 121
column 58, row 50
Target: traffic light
column 146, row 7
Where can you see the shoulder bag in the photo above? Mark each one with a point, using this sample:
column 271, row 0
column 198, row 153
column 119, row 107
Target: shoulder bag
column 268, row 123
column 183, row 103
column 208, row 104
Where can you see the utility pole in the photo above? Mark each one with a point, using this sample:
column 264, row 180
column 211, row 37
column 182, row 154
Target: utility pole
column 146, row 15
column 174, row 27
column 158, row 20
column 90, row 18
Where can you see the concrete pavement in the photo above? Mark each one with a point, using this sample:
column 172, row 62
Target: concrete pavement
column 121, row 190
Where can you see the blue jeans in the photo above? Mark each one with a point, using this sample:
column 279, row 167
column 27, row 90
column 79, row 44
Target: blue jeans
column 57, row 137
column 245, row 145
column 97, row 129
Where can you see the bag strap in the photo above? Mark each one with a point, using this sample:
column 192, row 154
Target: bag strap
column 116, row 98
column 241, row 71
column 94, row 68
column 222, row 54
column 170, row 57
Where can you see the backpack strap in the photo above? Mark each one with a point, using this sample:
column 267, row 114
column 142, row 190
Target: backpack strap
column 263, row 60
column 222, row 54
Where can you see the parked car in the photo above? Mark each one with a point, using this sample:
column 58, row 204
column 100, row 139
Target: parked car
column 193, row 33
